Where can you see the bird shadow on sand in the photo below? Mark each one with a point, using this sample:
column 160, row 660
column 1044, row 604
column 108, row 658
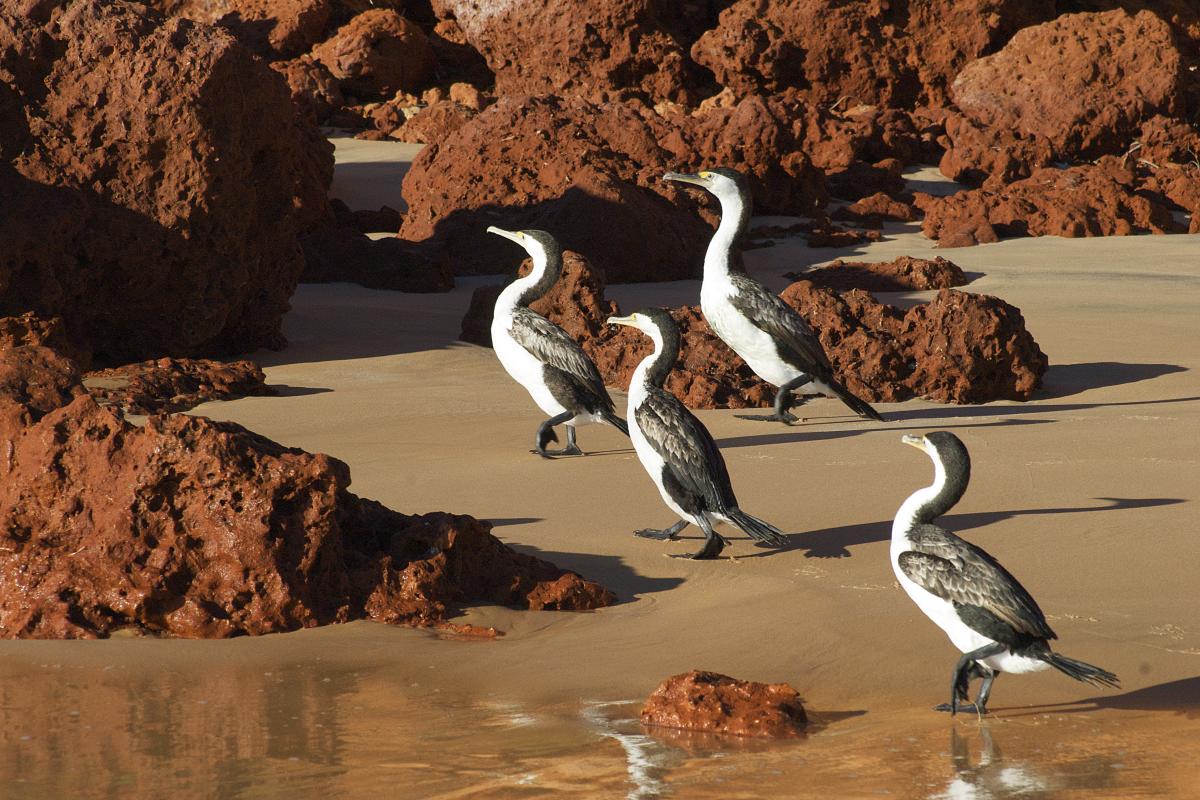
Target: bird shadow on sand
column 836, row 542
column 609, row 571
column 798, row 434
column 284, row 390
column 1063, row 380
column 1181, row 696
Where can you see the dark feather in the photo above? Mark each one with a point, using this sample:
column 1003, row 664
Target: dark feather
column 956, row 570
column 552, row 346
column 796, row 341
column 693, row 463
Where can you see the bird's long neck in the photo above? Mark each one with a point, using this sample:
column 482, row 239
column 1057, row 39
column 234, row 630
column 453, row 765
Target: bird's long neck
column 735, row 215
column 523, row 291
column 926, row 505
column 655, row 368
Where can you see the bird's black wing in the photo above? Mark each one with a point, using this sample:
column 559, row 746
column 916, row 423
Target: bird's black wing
column 552, row 345
column 958, row 571
column 797, row 342
column 692, row 458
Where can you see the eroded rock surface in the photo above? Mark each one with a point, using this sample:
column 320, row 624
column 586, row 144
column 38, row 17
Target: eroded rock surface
column 713, row 703
column 378, row 53
column 195, row 528
column 172, row 171
column 174, row 384
column 901, row 275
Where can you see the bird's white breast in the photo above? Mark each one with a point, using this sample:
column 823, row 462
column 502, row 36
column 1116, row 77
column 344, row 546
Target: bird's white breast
column 754, row 345
column 524, row 368
column 652, row 462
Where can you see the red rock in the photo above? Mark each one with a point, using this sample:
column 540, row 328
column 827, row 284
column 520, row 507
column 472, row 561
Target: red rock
column 313, row 87
column 174, row 172
column 377, row 53
column 335, row 254
column 1098, row 199
column 715, row 703
column 876, row 53
column 991, row 156
column 903, row 274
column 36, row 376
column 562, row 165
column 433, row 123
column 1083, row 82
column 871, row 211
column 173, row 384
column 270, row 27
column 195, row 528
column 583, row 48
column 385, row 218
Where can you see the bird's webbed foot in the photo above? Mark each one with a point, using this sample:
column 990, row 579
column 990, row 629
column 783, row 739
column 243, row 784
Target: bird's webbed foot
column 671, row 533
column 713, row 545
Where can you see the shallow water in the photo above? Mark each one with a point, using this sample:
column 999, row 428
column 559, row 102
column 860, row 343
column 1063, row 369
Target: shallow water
column 302, row 716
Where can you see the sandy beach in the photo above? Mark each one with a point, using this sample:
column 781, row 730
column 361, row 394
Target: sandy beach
column 1087, row 494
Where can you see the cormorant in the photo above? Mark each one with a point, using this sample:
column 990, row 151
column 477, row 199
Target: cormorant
column 987, row 614
column 677, row 450
column 541, row 356
column 777, row 343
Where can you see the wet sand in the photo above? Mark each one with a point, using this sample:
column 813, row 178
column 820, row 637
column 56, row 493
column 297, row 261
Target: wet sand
column 1087, row 494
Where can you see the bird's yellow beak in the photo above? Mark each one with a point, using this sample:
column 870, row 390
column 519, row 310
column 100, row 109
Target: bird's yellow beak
column 916, row 441
column 630, row 321
column 515, row 236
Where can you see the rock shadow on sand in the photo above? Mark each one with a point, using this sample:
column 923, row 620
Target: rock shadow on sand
column 836, row 542
column 1064, row 380
column 1180, row 696
column 609, row 571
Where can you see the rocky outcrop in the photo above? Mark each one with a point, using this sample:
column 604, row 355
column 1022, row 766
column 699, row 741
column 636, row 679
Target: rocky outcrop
column 270, row 27
column 174, row 384
column 314, row 89
column 576, row 47
column 713, row 703
column 901, row 275
column 1098, row 199
column 173, row 172
column 874, row 53
column 873, row 210
column 378, row 53
column 589, row 174
column 1084, row 83
column 194, row 528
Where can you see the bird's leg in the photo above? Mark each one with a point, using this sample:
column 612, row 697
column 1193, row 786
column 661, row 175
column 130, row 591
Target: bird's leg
column 960, row 685
column 783, row 401
column 546, row 434
column 985, row 691
column 666, row 533
column 714, row 543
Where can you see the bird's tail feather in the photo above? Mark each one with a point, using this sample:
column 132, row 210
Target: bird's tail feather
column 856, row 405
column 612, row 419
column 1083, row 672
column 756, row 529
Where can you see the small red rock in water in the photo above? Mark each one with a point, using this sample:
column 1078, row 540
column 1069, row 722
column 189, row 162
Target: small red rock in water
column 903, row 274
column 174, row 384
column 715, row 703
column 377, row 53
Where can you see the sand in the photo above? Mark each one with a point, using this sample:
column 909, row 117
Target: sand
column 1087, row 494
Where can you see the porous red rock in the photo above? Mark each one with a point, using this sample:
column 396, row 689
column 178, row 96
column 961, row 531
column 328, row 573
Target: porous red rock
column 364, row 220
column 174, row 384
column 872, row 210
column 901, row 275
column 195, row 528
column 993, row 157
column 877, row 53
column 1099, row 199
column 270, row 27
column 431, row 124
column 585, row 48
column 36, row 376
column 378, row 53
column 713, row 703
column 590, row 174
column 1083, row 82
column 313, row 87
column 337, row 253
column 174, row 173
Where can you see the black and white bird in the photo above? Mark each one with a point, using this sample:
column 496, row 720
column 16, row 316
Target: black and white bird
column 777, row 343
column 678, row 451
column 987, row 614
column 541, row 356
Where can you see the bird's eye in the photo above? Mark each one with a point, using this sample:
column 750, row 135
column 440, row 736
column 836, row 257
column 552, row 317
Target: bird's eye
column 705, row 174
